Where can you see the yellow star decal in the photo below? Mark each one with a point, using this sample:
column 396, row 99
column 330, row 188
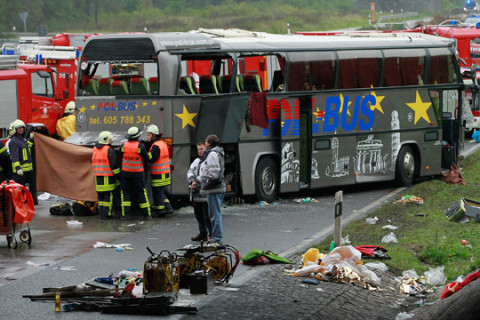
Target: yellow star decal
column 420, row 108
column 82, row 109
column 187, row 118
column 378, row 100
column 154, row 103
column 341, row 105
column 92, row 107
column 145, row 103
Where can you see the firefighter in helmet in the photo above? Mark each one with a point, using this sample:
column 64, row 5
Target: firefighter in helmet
column 20, row 153
column 66, row 123
column 106, row 173
column 132, row 179
column 159, row 159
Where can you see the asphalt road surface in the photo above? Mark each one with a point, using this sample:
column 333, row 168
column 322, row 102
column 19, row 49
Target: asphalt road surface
column 62, row 255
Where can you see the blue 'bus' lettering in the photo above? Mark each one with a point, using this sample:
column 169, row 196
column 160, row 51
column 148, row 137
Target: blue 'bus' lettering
column 367, row 112
column 122, row 106
column 361, row 107
column 331, row 114
column 346, row 126
column 132, row 106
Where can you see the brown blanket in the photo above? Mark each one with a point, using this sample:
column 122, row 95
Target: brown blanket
column 64, row 169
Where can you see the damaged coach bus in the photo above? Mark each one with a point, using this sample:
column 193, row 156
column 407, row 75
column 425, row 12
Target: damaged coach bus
column 292, row 112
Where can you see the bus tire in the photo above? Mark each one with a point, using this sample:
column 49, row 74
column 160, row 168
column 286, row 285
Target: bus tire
column 266, row 180
column 405, row 167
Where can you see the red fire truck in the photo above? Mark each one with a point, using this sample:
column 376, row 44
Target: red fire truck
column 29, row 92
column 59, row 52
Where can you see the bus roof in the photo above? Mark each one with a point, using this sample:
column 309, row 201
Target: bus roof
column 146, row 46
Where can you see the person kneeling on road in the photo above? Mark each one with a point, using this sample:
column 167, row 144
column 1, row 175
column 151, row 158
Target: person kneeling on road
column 106, row 173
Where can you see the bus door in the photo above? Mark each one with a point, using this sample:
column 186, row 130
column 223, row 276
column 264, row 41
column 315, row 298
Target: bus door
column 290, row 145
column 305, row 142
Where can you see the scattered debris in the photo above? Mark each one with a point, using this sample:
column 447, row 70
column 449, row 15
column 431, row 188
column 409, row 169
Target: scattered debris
column 377, row 266
column 44, row 196
column 342, row 264
column 390, row 227
column 372, row 251
column 464, row 210
column 404, row 316
column 389, row 238
column 410, row 199
column 454, row 176
column 435, row 276
column 371, row 220
column 65, row 268
column 345, row 241
column 74, row 223
column 258, row 257
column 123, row 246
column 30, row 263
column 454, row 286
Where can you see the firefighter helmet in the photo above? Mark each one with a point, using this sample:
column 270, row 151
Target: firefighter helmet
column 105, row 137
column 133, row 133
column 70, row 107
column 153, row 129
column 15, row 125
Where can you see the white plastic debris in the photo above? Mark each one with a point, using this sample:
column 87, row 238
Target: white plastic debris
column 389, row 238
column 376, row 266
column 411, row 274
column 125, row 246
column 31, row 263
column 390, row 227
column 435, row 276
column 404, row 316
column 44, row 196
column 74, row 223
column 371, row 220
column 345, row 241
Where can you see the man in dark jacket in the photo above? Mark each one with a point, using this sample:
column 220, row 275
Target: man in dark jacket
column 106, row 172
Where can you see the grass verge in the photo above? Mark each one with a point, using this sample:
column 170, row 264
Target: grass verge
column 426, row 238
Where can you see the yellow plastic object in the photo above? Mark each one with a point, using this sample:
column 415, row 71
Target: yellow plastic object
column 312, row 255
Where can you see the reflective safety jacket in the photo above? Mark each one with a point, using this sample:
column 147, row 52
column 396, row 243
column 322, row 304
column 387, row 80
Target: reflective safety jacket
column 66, row 126
column 3, row 154
column 160, row 167
column 104, row 167
column 132, row 160
column 20, row 154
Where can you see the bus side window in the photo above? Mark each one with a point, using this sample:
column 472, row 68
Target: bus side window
column 407, row 66
column 441, row 67
column 311, row 71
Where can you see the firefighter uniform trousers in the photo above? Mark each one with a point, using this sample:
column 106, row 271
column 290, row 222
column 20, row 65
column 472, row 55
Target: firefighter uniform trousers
column 104, row 181
column 160, row 173
column 133, row 180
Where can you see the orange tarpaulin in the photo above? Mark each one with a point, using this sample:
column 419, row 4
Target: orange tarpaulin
column 64, row 169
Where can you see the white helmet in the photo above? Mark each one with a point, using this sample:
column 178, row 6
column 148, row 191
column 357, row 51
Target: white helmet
column 133, row 132
column 105, row 137
column 153, row 129
column 15, row 125
column 70, row 107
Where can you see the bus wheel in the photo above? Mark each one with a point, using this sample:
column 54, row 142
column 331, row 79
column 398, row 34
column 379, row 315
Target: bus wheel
column 405, row 168
column 266, row 180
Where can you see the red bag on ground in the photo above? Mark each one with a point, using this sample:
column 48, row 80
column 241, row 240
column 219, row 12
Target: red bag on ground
column 454, row 286
column 22, row 201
